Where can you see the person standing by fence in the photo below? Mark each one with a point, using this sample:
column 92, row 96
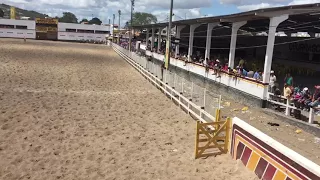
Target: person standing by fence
column 288, row 80
column 272, row 82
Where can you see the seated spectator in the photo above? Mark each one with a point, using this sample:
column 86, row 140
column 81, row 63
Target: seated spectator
column 250, row 74
column 185, row 60
column 225, row 67
column 243, row 72
column 239, row 70
column 287, row 93
column 315, row 99
column 217, row 68
column 257, row 75
column 305, row 97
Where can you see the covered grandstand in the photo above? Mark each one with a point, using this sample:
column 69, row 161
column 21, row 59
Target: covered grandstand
column 283, row 39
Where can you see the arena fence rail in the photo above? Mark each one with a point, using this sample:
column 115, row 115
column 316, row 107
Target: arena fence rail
column 261, row 154
column 166, row 81
column 281, row 101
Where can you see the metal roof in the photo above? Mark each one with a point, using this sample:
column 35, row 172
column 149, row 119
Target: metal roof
column 296, row 12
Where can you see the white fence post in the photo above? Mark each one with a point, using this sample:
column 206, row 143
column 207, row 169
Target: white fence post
column 166, row 77
column 287, row 108
column 153, row 68
column 311, row 116
column 174, row 80
column 191, row 90
column 182, row 85
column 204, row 98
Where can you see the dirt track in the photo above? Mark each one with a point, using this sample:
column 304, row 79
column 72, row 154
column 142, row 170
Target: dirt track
column 78, row 111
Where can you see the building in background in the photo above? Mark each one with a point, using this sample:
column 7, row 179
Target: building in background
column 47, row 29
column 51, row 29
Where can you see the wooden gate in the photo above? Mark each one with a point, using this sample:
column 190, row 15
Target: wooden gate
column 212, row 138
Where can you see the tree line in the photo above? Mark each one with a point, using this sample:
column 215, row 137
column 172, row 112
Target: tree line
column 138, row 18
column 68, row 17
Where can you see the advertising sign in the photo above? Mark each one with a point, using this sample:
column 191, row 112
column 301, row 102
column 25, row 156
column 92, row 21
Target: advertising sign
column 12, row 13
column 167, row 57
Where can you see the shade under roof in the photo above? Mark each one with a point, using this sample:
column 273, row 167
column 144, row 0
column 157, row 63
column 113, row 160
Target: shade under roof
column 301, row 18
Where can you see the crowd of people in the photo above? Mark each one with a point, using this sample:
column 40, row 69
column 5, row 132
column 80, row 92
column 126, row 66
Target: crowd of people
column 301, row 97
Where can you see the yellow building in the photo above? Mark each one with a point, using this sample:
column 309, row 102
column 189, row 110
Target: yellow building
column 47, row 29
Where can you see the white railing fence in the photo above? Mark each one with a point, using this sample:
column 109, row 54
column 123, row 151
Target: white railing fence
column 282, row 101
column 194, row 99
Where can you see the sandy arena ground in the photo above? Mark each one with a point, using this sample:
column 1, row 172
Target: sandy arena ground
column 78, row 111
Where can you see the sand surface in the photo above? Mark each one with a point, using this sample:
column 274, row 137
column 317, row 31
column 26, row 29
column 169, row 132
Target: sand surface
column 79, row 111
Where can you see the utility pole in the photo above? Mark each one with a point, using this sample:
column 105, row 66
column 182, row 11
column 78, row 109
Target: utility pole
column 119, row 13
column 114, row 16
column 131, row 22
column 168, row 44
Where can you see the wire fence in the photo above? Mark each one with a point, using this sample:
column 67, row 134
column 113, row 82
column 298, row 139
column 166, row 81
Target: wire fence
column 200, row 96
column 197, row 98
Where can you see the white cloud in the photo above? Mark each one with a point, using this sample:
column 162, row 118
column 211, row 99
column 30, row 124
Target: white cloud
column 296, row 2
column 246, row 5
column 179, row 14
column 256, row 6
column 104, row 9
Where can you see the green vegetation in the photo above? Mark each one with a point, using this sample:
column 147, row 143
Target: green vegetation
column 141, row 18
column 95, row 20
column 68, row 17
column 1, row 13
column 21, row 12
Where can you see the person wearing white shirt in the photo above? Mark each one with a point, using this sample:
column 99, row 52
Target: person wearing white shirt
column 272, row 82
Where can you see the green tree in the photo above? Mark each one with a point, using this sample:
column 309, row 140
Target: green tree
column 95, row 20
column 1, row 13
column 141, row 18
column 68, row 17
column 84, row 20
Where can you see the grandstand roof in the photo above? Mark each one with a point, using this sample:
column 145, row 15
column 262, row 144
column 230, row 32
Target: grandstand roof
column 259, row 19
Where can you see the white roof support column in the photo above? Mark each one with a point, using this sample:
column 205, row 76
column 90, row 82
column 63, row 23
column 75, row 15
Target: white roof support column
column 274, row 22
column 178, row 32
column 152, row 39
column 191, row 37
column 233, row 44
column 159, row 40
column 208, row 42
column 147, row 38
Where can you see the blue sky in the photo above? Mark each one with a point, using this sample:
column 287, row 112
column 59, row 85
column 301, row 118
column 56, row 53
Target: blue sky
column 104, row 9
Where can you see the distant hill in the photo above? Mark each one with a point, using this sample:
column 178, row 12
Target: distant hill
column 21, row 12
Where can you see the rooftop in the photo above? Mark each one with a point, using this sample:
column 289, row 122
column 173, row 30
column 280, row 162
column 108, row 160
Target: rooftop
column 306, row 15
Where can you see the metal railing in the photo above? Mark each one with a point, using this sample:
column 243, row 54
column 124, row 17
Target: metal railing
column 193, row 98
column 284, row 102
